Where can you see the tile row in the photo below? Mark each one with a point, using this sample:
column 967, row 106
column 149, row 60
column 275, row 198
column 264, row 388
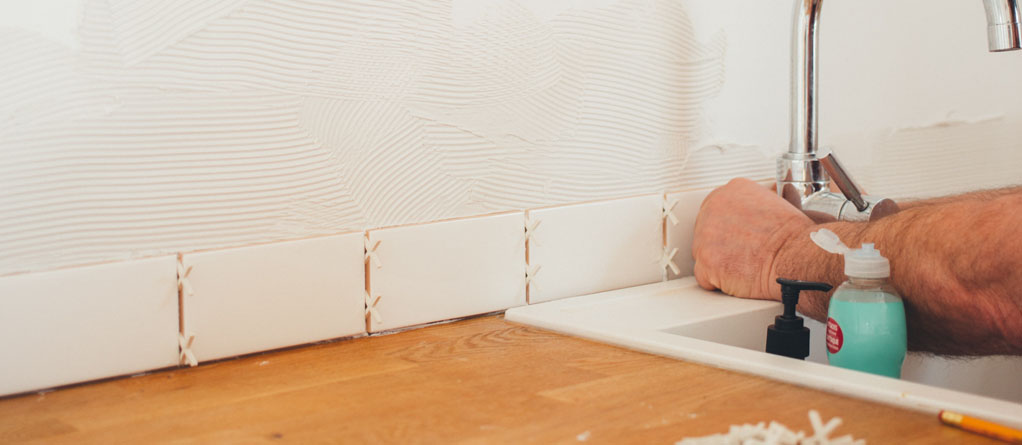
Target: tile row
column 98, row 321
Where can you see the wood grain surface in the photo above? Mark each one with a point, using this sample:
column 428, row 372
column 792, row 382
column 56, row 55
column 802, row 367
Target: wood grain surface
column 482, row 380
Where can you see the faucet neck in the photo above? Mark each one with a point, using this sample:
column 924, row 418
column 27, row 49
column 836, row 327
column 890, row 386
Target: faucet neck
column 805, row 44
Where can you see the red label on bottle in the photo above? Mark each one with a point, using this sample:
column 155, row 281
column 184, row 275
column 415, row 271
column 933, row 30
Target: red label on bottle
column 834, row 336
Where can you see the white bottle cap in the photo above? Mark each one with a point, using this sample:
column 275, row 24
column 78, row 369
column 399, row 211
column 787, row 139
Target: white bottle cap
column 865, row 262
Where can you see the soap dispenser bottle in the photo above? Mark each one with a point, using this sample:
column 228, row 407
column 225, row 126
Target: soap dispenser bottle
column 788, row 336
column 866, row 319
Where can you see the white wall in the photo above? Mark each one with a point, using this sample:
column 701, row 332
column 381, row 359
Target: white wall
column 132, row 128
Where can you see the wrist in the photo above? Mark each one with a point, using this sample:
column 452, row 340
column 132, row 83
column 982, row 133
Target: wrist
column 791, row 244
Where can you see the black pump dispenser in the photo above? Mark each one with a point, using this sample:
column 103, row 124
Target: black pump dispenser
column 788, row 336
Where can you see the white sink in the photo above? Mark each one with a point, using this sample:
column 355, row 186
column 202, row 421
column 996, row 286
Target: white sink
column 679, row 319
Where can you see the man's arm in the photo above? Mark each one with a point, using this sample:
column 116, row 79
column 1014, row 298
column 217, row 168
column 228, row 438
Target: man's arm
column 956, row 262
column 979, row 195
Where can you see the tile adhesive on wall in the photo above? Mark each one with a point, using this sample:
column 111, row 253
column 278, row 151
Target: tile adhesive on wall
column 207, row 124
column 247, row 128
column 141, row 128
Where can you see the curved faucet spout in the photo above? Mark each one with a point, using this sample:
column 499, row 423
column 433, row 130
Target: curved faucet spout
column 801, row 177
column 1004, row 33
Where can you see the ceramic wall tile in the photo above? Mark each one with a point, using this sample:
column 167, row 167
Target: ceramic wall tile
column 438, row 271
column 73, row 325
column 684, row 206
column 585, row 248
column 264, row 297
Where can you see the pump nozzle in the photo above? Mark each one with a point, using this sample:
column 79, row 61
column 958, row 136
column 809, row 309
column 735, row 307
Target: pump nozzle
column 788, row 336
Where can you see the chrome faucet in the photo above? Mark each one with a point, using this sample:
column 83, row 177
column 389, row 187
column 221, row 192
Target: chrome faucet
column 804, row 172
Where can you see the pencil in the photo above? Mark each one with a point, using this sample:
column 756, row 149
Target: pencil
column 981, row 427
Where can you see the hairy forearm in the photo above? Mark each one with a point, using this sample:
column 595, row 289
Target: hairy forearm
column 957, row 263
column 979, row 195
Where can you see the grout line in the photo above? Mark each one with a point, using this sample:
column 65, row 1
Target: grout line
column 592, row 201
column 664, row 219
column 71, row 385
column 180, row 306
column 445, row 220
column 368, row 288
column 434, row 323
column 528, row 292
column 195, row 251
column 180, row 300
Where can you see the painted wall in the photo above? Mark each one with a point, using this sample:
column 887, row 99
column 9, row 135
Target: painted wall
column 130, row 128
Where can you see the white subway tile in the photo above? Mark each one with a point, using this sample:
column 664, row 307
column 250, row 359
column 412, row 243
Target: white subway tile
column 264, row 297
column 585, row 248
column 445, row 270
column 685, row 207
column 85, row 323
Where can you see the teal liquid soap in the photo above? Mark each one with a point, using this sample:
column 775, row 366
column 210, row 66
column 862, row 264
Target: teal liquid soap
column 866, row 318
column 866, row 332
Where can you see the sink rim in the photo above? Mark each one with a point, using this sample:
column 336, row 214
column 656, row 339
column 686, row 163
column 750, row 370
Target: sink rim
column 569, row 316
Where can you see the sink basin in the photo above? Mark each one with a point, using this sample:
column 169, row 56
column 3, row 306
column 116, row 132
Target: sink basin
column 678, row 319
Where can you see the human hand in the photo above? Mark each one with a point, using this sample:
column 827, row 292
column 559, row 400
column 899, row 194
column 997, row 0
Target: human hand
column 739, row 231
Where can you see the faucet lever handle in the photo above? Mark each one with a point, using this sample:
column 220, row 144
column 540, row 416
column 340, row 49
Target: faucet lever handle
column 843, row 180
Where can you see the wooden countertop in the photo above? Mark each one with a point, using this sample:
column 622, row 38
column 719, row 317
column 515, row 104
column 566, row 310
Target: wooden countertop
column 483, row 380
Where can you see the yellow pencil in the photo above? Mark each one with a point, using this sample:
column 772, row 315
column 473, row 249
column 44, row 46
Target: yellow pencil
column 981, row 427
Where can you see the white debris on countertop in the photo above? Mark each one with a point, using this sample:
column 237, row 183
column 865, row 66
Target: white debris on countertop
column 777, row 434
